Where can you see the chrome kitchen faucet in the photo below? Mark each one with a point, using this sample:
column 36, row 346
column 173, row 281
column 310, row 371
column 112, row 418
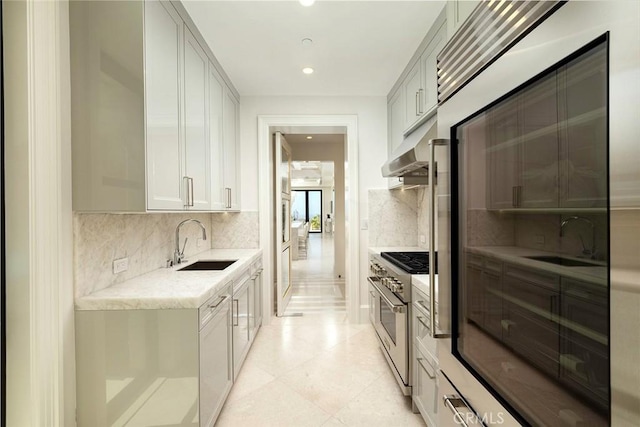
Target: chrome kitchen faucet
column 592, row 251
column 178, row 255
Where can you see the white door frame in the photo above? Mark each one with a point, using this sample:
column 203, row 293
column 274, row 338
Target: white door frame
column 266, row 200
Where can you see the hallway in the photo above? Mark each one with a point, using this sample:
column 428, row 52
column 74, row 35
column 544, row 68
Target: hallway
column 315, row 286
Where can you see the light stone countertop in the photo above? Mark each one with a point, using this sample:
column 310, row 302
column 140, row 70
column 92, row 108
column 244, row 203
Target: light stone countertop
column 167, row 288
column 377, row 250
column 516, row 255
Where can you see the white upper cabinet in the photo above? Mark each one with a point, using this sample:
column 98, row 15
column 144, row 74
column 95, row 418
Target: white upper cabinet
column 414, row 97
column 231, row 179
column 413, row 89
column 196, row 99
column 165, row 148
column 457, row 12
column 149, row 112
column 429, row 61
column 216, row 136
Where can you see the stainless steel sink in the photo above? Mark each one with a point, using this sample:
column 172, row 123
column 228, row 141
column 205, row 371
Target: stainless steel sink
column 208, row 265
column 565, row 262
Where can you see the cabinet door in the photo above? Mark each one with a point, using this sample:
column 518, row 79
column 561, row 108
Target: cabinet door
column 530, row 313
column 539, row 167
column 412, row 87
column 216, row 363
column 474, row 294
column 165, row 153
column 425, row 387
column 258, row 298
column 195, row 124
column 584, row 350
column 503, row 155
column 457, row 12
column 396, row 119
column 429, row 93
column 240, row 325
column 216, row 136
column 583, row 133
column 251, row 309
column 231, row 153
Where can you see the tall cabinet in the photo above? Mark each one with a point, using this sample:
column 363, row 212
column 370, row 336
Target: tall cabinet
column 154, row 118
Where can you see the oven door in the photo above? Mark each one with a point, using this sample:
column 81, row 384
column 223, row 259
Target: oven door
column 391, row 325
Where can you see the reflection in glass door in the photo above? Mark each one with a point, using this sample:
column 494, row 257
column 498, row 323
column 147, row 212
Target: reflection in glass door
column 306, row 206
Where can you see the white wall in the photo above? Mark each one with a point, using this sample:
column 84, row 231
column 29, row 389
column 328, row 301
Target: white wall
column 372, row 140
column 39, row 291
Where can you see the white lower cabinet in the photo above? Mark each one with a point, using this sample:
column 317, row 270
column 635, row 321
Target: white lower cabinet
column 242, row 308
column 216, row 354
column 165, row 366
column 425, row 387
column 154, row 367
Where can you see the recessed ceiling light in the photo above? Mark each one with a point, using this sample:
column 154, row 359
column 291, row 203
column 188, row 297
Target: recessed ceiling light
column 307, row 70
column 307, row 41
column 307, row 2
column 309, row 137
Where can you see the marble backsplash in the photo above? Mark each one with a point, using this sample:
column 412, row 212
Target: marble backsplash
column 235, row 230
column 148, row 240
column 393, row 218
column 487, row 228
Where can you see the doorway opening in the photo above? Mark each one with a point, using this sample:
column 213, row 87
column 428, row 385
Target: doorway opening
column 345, row 233
column 317, row 286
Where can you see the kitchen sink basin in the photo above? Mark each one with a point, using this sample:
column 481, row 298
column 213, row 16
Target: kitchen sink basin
column 565, row 262
column 208, row 265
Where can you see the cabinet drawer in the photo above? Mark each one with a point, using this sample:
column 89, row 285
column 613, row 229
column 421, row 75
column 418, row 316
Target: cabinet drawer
column 546, row 280
column 493, row 266
column 531, row 337
column 422, row 330
column 213, row 304
column 474, row 260
column 256, row 267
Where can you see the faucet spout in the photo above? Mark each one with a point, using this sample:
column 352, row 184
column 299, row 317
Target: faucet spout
column 178, row 254
column 592, row 251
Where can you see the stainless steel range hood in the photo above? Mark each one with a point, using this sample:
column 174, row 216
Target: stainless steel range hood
column 411, row 159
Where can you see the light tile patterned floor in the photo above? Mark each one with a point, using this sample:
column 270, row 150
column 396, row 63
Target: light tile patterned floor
column 315, row 288
column 316, row 369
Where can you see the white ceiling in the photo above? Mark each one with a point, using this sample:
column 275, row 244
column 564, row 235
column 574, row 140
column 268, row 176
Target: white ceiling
column 360, row 47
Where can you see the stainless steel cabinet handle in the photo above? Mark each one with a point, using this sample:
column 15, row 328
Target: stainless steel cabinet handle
column 516, row 196
column 236, row 314
column 422, row 321
column 188, row 181
column 228, row 191
column 431, row 376
column 421, row 304
column 420, row 112
column 453, row 402
column 417, row 103
column 220, row 301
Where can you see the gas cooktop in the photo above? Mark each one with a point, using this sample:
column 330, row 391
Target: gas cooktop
column 411, row 262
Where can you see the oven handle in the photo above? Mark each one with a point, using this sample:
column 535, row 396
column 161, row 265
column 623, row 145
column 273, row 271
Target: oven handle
column 396, row 308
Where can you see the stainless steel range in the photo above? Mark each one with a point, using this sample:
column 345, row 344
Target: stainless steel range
column 390, row 291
